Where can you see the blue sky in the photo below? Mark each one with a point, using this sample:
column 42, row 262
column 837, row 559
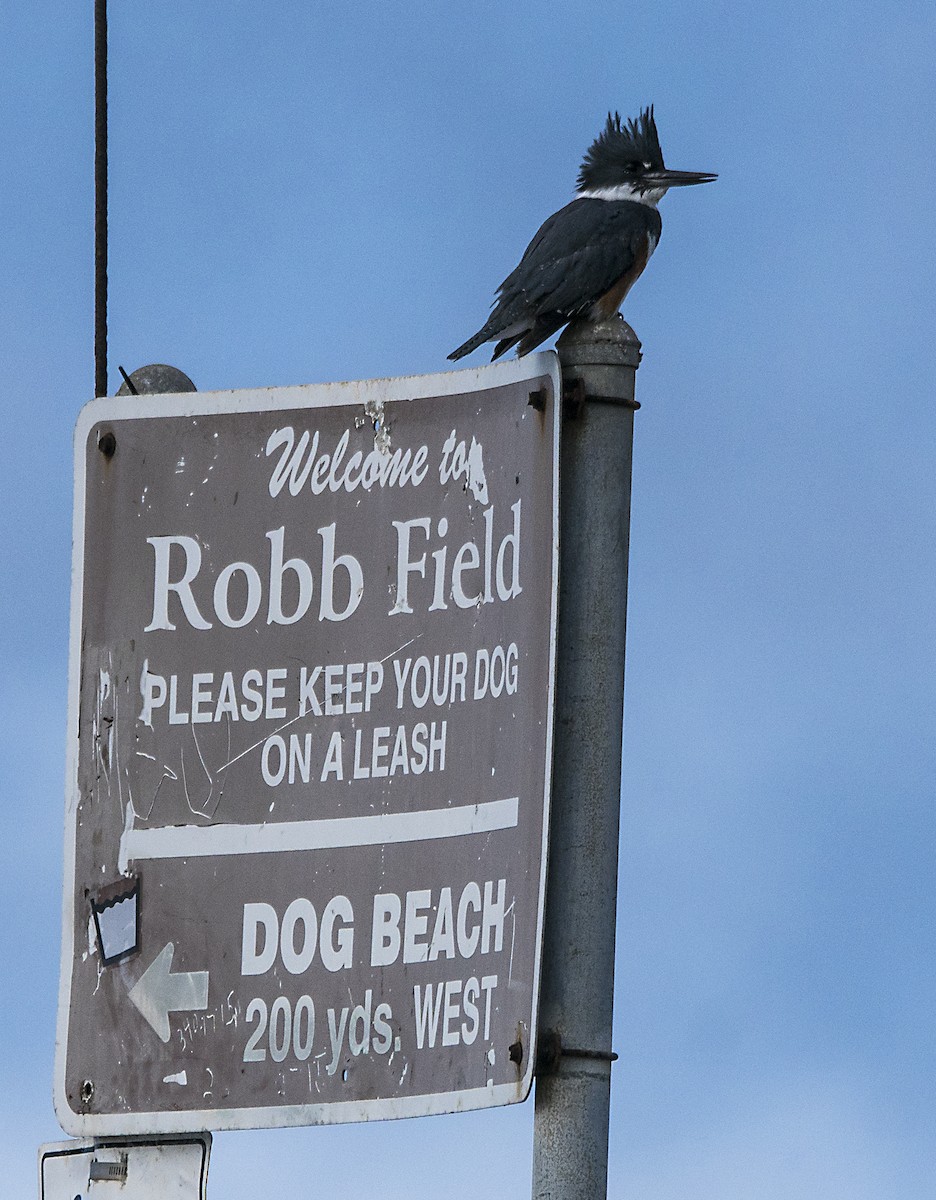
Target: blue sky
column 306, row 193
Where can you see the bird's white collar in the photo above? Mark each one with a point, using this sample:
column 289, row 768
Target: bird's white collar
column 624, row 191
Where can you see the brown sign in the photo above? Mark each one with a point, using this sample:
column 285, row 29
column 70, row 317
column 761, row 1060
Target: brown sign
column 310, row 716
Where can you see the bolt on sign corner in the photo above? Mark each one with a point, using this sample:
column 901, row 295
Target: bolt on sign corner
column 309, row 751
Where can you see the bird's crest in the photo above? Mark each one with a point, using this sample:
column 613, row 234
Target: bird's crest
column 623, row 149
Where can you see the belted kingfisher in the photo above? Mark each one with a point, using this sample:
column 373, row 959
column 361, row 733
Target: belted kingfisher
column 586, row 257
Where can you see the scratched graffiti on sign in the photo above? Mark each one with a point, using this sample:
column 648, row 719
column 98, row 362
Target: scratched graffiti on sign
column 311, row 693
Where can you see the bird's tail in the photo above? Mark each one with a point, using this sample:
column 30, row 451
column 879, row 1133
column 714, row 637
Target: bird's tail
column 472, row 344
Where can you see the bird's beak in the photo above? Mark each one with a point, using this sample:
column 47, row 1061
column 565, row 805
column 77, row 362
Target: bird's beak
column 668, row 179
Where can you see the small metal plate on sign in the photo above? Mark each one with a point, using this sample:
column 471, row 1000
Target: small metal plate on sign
column 145, row 1169
column 311, row 721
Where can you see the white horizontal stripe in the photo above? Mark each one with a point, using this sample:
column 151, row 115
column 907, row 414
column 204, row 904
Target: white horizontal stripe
column 200, row 841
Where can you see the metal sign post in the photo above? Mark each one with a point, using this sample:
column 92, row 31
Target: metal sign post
column 574, row 1073
column 310, row 745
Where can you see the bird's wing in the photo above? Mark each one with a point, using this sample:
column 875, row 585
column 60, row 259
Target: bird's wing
column 577, row 255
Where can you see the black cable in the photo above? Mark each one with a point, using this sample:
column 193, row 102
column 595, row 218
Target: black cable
column 100, row 197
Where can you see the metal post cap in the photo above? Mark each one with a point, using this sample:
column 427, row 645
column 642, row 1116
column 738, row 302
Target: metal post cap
column 609, row 343
column 157, row 379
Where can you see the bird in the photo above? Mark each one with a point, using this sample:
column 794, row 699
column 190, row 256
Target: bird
column 586, row 257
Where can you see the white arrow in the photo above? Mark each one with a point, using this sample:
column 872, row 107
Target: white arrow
column 157, row 993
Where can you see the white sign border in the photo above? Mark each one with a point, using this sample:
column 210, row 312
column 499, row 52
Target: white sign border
column 389, row 390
